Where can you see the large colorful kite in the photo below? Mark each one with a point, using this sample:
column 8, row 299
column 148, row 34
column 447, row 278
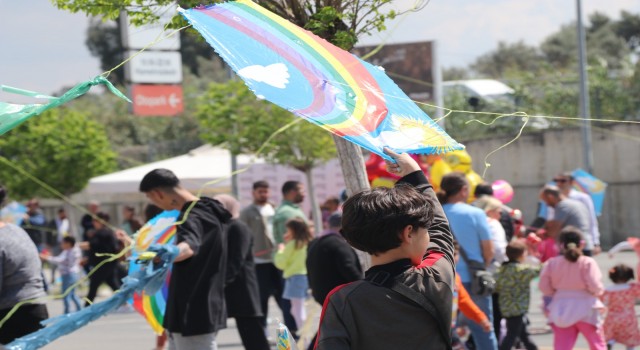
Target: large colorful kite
column 316, row 80
column 592, row 186
column 159, row 230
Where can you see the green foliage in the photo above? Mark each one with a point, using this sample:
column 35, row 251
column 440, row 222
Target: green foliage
column 546, row 77
column 454, row 73
column 465, row 126
column 339, row 21
column 328, row 23
column 138, row 11
column 63, row 148
column 232, row 116
column 138, row 139
column 507, row 58
column 628, row 27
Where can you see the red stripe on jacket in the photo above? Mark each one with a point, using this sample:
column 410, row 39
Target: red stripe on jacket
column 431, row 259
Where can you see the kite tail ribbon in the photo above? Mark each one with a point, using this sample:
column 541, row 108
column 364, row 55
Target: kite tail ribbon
column 13, row 115
column 150, row 279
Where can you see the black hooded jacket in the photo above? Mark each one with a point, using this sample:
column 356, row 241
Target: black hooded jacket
column 195, row 304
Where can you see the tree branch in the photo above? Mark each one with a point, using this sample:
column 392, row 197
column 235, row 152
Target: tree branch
column 276, row 7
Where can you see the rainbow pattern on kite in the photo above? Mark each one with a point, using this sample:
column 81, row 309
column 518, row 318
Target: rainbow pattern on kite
column 160, row 230
column 305, row 74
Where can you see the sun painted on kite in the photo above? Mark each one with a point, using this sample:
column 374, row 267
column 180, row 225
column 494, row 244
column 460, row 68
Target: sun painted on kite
column 421, row 130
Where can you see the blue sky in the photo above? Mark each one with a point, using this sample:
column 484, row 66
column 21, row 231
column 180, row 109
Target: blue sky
column 43, row 48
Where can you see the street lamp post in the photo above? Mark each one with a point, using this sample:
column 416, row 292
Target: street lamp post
column 584, row 93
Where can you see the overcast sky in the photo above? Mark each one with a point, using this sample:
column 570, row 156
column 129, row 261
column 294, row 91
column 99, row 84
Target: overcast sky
column 42, row 48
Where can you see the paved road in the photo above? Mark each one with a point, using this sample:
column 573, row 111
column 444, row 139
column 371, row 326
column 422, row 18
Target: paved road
column 128, row 331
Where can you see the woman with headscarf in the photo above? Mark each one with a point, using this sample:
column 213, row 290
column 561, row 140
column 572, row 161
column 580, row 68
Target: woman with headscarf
column 241, row 288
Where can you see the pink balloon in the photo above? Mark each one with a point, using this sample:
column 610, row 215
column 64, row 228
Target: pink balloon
column 502, row 190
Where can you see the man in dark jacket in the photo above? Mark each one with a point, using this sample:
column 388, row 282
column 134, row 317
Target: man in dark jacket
column 102, row 241
column 331, row 262
column 258, row 216
column 241, row 291
column 34, row 222
column 195, row 310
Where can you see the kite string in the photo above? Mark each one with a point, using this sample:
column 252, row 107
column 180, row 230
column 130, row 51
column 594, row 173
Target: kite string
column 52, row 190
column 158, row 39
column 130, row 245
column 526, row 117
column 68, row 200
column 383, row 43
column 525, row 121
column 239, row 171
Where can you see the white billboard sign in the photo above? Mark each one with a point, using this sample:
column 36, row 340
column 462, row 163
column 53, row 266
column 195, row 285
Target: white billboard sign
column 155, row 67
column 136, row 38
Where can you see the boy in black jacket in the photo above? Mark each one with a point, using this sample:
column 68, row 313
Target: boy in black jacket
column 405, row 300
column 195, row 309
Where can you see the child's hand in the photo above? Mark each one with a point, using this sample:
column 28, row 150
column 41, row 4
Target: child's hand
column 123, row 237
column 461, row 331
column 280, row 247
column 404, row 164
column 487, row 326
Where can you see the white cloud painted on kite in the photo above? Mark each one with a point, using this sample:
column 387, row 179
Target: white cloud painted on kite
column 276, row 75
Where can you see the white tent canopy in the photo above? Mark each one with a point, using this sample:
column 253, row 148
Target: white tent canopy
column 194, row 169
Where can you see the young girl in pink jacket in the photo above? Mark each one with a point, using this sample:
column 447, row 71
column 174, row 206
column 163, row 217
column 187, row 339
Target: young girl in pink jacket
column 573, row 281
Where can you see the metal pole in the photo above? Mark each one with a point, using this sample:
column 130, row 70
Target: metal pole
column 584, row 94
column 234, row 158
column 234, row 178
column 436, row 72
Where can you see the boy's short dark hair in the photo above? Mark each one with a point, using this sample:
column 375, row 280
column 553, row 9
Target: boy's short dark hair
column 515, row 250
column 159, row 178
column 260, row 184
column 289, row 186
column 69, row 239
column 372, row 220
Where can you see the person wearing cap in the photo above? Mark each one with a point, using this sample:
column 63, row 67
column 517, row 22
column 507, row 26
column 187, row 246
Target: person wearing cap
column 331, row 262
column 567, row 212
column 565, row 182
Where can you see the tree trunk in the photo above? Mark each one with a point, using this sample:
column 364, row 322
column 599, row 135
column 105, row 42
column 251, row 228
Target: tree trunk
column 352, row 164
column 355, row 178
column 316, row 214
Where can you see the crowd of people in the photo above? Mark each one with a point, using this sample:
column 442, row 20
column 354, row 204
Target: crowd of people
column 444, row 272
